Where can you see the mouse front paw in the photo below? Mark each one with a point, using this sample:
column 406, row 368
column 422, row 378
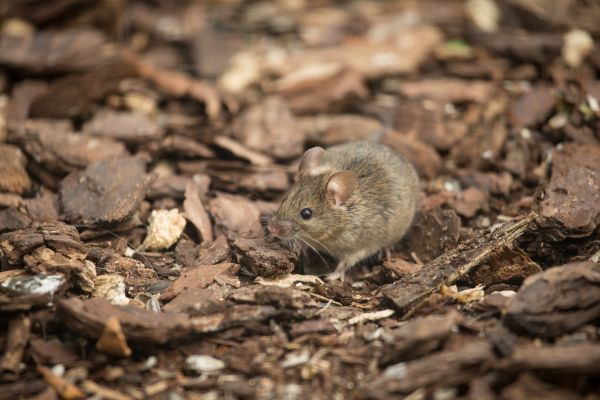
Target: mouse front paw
column 338, row 274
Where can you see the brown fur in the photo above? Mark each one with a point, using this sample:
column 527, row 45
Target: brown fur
column 377, row 213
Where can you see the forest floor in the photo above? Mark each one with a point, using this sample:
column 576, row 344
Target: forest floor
column 144, row 144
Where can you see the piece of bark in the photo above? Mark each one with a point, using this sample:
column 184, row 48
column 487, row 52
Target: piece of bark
column 56, row 235
column 273, row 295
column 239, row 216
column 374, row 60
column 242, row 151
column 43, row 208
column 443, row 369
column 519, row 45
column 11, row 219
column 197, row 301
column 532, row 108
column 432, row 124
column 487, row 182
column 107, row 192
column 52, row 51
column 270, row 128
column 195, row 211
column 175, row 83
column 327, row 130
column 134, row 272
column 198, row 277
column 321, row 87
column 424, row 157
column 187, row 146
column 450, row 266
column 66, row 99
column 213, row 252
column 264, row 258
column 23, row 95
column 13, row 176
column 25, row 292
column 433, row 232
column 580, row 358
column 558, row 300
column 508, row 265
column 139, row 325
column 44, row 140
column 449, row 90
column 17, row 338
column 52, row 351
column 112, row 340
column 124, row 126
column 469, row 202
column 570, row 206
column 65, row 389
column 234, row 176
column 528, row 386
column 420, row 336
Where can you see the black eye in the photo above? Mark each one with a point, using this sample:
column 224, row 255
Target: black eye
column 306, row 213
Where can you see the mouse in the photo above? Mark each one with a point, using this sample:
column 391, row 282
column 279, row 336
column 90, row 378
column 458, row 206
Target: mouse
column 349, row 201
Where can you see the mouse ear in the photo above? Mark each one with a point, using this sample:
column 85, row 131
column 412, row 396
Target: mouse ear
column 311, row 159
column 340, row 186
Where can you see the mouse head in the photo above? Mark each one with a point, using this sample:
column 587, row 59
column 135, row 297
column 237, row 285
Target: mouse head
column 317, row 202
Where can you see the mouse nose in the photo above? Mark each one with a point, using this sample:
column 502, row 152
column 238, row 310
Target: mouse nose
column 280, row 228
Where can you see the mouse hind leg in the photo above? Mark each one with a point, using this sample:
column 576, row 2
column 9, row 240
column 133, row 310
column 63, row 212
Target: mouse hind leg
column 345, row 264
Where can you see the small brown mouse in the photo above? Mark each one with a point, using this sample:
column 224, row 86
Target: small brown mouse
column 349, row 201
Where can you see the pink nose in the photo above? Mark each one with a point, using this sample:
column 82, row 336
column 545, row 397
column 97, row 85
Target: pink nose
column 279, row 228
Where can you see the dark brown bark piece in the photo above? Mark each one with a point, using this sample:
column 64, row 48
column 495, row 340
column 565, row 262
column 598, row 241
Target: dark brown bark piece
column 213, row 252
column 327, row 130
column 44, row 140
column 449, row 90
column 139, row 325
column 198, row 277
column 13, row 176
column 420, row 336
column 264, row 258
column 55, row 51
column 324, row 92
column 424, row 157
column 195, row 211
column 270, row 128
column 125, row 126
column 571, row 203
column 234, row 176
column 527, row 386
column 448, row 267
column 433, row 232
column 135, row 273
column 19, row 329
column 65, row 97
column 196, row 301
column 12, row 219
column 507, row 265
column 446, row 368
column 532, row 108
column 580, row 358
column 272, row 295
column 469, row 202
column 107, row 192
column 239, row 216
column 558, row 300
column 56, row 235
column 52, row 351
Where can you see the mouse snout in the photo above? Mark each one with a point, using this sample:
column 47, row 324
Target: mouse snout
column 280, row 228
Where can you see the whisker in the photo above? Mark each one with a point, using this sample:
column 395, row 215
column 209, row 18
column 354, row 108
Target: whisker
column 315, row 250
column 320, row 244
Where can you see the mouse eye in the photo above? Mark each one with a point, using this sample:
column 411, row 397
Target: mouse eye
column 306, row 213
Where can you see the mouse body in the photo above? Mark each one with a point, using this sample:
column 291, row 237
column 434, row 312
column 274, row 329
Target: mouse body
column 349, row 201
